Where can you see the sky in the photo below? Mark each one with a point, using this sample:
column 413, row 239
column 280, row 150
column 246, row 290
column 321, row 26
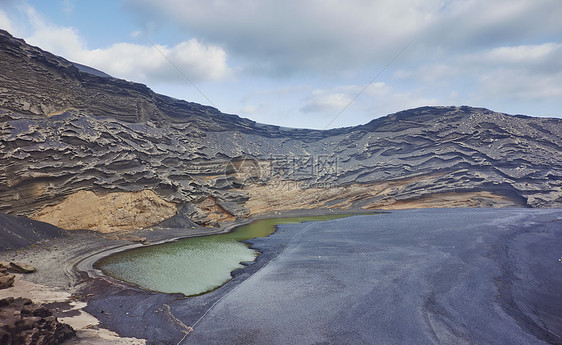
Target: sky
column 311, row 63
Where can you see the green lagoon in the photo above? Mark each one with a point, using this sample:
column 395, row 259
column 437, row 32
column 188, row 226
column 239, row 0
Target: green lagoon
column 196, row 265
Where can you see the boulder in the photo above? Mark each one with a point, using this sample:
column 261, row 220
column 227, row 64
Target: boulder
column 21, row 267
column 22, row 322
column 135, row 238
column 6, row 280
column 195, row 214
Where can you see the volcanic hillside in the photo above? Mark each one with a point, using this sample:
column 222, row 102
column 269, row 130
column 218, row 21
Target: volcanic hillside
column 82, row 150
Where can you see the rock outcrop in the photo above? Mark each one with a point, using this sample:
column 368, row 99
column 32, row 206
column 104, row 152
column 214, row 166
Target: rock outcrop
column 67, row 132
column 6, row 278
column 24, row 323
column 109, row 212
column 21, row 267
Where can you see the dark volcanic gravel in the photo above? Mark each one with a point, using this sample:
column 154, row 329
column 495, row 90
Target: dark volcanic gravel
column 18, row 232
column 431, row 276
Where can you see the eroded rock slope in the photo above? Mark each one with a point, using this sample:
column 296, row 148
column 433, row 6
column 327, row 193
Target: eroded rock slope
column 65, row 133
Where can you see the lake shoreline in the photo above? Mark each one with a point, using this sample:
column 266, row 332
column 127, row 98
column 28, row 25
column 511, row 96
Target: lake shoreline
column 207, row 261
column 134, row 314
column 426, row 276
column 65, row 267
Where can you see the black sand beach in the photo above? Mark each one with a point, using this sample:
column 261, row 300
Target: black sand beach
column 424, row 276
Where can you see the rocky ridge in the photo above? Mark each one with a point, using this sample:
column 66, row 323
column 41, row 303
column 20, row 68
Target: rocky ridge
column 65, row 131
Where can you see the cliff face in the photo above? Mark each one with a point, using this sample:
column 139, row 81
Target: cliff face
column 64, row 132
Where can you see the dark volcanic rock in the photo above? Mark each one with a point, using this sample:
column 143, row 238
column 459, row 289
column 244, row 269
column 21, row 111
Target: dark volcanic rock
column 21, row 267
column 6, row 279
column 63, row 130
column 22, row 322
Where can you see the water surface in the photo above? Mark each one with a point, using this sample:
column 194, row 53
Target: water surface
column 195, row 265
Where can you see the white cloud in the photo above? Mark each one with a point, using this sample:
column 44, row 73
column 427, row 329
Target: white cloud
column 398, row 101
column 378, row 89
column 523, row 53
column 250, row 109
column 502, row 54
column 158, row 63
column 286, row 37
column 58, row 40
column 518, row 73
column 334, row 100
column 377, row 100
column 67, row 6
column 6, row 23
column 505, row 76
column 519, row 85
column 323, row 101
column 136, row 62
column 435, row 74
column 465, row 26
column 542, row 59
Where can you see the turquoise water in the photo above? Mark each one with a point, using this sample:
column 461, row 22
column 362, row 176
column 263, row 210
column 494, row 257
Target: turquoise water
column 193, row 266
